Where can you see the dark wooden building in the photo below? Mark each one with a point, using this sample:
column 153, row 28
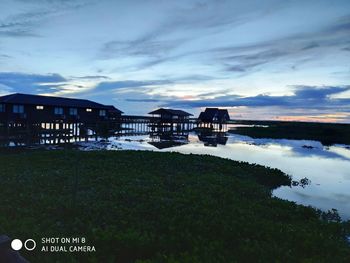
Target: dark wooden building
column 171, row 114
column 212, row 116
column 33, row 113
column 169, row 120
column 35, row 108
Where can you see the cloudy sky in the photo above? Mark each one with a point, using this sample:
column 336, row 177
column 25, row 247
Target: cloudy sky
column 261, row 59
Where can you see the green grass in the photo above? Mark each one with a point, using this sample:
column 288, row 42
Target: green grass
column 326, row 133
column 160, row 207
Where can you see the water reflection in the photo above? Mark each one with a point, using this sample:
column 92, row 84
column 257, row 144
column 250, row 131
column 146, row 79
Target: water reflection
column 298, row 147
column 212, row 139
column 162, row 140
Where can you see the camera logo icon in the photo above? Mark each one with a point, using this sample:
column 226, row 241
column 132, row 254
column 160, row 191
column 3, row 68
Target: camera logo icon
column 29, row 244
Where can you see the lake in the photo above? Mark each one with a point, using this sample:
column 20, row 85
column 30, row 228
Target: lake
column 327, row 167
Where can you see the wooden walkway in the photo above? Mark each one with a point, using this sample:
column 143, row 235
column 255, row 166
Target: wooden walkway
column 127, row 125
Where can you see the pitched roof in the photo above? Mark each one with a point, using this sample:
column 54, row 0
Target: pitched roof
column 18, row 98
column 170, row 112
column 201, row 116
column 210, row 113
column 112, row 108
column 223, row 114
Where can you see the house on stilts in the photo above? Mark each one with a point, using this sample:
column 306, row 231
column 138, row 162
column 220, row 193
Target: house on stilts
column 169, row 120
column 53, row 119
column 213, row 118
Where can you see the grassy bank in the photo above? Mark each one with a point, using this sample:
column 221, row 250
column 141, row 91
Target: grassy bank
column 159, row 207
column 327, row 133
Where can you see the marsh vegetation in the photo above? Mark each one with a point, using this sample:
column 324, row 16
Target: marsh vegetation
column 136, row 206
column 327, row 133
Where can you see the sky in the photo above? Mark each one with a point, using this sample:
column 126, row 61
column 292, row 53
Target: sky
column 271, row 59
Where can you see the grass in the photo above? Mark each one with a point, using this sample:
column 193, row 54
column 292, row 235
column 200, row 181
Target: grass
column 160, row 207
column 326, row 133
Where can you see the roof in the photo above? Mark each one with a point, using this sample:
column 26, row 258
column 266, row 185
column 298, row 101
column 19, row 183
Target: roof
column 18, row 98
column 170, row 112
column 210, row 113
column 111, row 108
column 202, row 116
column 223, row 113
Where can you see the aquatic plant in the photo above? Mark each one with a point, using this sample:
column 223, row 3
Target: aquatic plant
column 138, row 206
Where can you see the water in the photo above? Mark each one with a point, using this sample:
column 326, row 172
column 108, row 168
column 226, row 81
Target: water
column 328, row 168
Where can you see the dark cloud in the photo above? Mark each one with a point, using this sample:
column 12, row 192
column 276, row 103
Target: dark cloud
column 239, row 68
column 143, row 100
column 167, row 42
column 25, row 24
column 22, row 25
column 343, row 25
column 185, row 22
column 130, row 89
column 250, row 62
column 51, row 83
column 92, row 77
column 316, row 93
column 141, row 47
column 248, row 58
column 115, row 85
column 17, row 33
column 137, row 85
column 307, row 97
column 30, row 83
column 5, row 56
column 311, row 46
column 191, row 78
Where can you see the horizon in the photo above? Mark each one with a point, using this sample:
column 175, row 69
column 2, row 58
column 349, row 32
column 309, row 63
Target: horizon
column 232, row 119
column 271, row 60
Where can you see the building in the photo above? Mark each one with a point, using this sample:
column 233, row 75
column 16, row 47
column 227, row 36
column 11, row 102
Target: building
column 171, row 114
column 29, row 119
column 212, row 116
column 169, row 120
column 40, row 109
column 113, row 113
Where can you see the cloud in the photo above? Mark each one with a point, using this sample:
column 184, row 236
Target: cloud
column 22, row 25
column 92, row 77
column 304, row 97
column 30, row 83
column 173, row 52
column 117, row 85
column 26, row 23
column 4, row 56
column 143, row 100
column 296, row 48
column 318, row 93
column 58, row 85
column 343, row 25
column 145, row 46
column 310, row 46
column 244, row 63
column 172, row 37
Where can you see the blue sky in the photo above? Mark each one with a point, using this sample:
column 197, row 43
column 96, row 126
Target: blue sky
column 260, row 59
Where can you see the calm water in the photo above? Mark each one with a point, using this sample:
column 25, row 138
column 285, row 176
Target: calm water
column 328, row 168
